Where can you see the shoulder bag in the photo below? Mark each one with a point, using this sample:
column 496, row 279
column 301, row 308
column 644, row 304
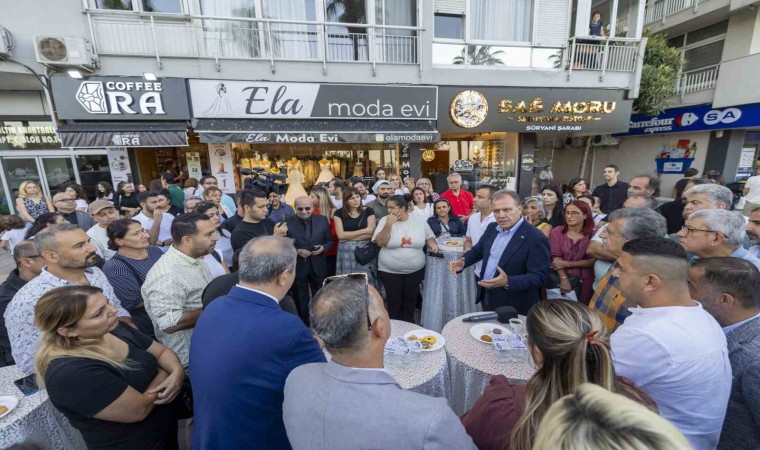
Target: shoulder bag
column 368, row 252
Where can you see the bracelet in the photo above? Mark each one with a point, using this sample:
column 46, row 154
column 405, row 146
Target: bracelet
column 563, row 278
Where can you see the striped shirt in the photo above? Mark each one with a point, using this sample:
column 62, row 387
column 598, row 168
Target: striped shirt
column 127, row 276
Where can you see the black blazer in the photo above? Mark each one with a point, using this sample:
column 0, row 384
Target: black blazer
column 526, row 262
column 320, row 235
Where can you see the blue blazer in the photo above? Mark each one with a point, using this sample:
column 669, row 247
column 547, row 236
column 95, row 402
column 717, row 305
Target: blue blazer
column 526, row 262
column 243, row 348
column 456, row 226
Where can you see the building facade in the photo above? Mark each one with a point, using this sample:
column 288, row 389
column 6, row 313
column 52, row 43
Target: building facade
column 227, row 87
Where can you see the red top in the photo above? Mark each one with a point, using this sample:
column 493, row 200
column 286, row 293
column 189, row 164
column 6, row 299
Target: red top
column 334, row 250
column 462, row 204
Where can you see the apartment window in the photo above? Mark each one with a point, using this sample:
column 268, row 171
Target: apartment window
column 703, row 56
column 291, row 40
column 123, row 5
column 448, row 26
column 677, row 42
column 496, row 20
column 162, row 6
column 708, row 32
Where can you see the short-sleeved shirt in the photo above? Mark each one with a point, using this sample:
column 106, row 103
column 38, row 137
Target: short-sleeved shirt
column 176, row 196
column 165, row 230
column 462, row 204
column 285, row 210
column 611, row 197
column 403, row 253
column 355, row 223
column 82, row 387
column 379, row 209
column 14, row 237
column 245, row 231
column 99, row 239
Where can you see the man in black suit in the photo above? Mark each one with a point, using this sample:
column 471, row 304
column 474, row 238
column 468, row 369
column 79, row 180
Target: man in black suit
column 311, row 237
column 515, row 257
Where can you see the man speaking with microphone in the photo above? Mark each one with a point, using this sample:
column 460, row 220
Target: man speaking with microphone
column 515, row 254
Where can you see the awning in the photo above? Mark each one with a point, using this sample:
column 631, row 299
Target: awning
column 123, row 134
column 316, row 131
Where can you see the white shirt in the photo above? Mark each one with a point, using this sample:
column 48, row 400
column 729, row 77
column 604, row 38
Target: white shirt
column 214, row 266
column 164, row 232
column 425, row 213
column 403, row 253
column 82, row 205
column 99, row 239
column 476, row 226
column 678, row 356
column 601, row 267
column 370, row 198
column 338, row 203
column 15, row 236
column 753, row 184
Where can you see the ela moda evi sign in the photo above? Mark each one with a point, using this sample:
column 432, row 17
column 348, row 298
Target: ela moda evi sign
column 267, row 100
column 695, row 118
column 120, row 98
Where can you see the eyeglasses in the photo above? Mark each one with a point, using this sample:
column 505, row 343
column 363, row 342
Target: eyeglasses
column 573, row 213
column 304, row 208
column 66, row 200
column 686, row 230
column 354, row 276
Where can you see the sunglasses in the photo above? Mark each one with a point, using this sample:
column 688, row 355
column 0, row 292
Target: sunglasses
column 304, row 208
column 354, row 276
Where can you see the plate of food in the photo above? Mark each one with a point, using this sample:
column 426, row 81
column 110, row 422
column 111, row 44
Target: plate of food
column 430, row 340
column 7, row 404
column 484, row 332
column 451, row 243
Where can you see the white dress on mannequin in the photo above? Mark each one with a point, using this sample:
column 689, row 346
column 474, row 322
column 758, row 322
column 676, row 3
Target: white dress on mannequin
column 295, row 182
column 326, row 174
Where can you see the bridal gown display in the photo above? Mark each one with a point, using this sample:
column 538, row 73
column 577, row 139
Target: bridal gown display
column 295, row 182
column 325, row 174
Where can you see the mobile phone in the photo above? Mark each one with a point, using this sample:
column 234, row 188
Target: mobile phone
column 284, row 218
column 314, row 248
column 435, row 255
column 27, row 385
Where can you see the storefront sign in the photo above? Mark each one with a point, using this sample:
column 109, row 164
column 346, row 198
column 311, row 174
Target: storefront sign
column 118, row 163
column 97, row 139
column 220, row 159
column 194, row 165
column 120, row 98
column 405, row 158
column 15, row 136
column 491, row 109
column 695, row 118
column 319, row 138
column 266, row 100
column 463, row 165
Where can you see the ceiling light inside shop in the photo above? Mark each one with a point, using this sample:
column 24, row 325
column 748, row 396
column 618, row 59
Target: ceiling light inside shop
column 149, row 76
column 75, row 74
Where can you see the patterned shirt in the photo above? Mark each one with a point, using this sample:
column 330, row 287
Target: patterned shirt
column 174, row 285
column 609, row 303
column 19, row 317
column 127, row 275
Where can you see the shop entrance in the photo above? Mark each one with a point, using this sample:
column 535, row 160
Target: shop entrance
column 52, row 173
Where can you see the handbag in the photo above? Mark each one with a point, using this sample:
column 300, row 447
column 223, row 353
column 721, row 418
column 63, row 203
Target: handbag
column 183, row 403
column 368, row 252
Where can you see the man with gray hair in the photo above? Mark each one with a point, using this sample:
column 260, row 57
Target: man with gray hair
column 715, row 233
column 245, row 344
column 624, row 225
column 646, row 184
column 461, row 201
column 707, row 196
column 69, row 259
column 321, row 399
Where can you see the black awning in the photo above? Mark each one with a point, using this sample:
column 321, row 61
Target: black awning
column 316, row 131
column 123, row 134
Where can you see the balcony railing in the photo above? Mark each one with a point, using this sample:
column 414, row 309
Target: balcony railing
column 697, row 80
column 660, row 9
column 608, row 55
column 193, row 36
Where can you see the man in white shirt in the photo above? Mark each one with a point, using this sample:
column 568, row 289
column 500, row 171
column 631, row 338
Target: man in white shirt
column 479, row 220
column 103, row 213
column 158, row 224
column 669, row 346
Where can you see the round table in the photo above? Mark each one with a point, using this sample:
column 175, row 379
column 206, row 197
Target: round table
column 34, row 418
column 445, row 295
column 428, row 373
column 471, row 365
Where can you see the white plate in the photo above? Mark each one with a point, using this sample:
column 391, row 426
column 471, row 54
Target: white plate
column 420, row 333
column 10, row 402
column 485, row 328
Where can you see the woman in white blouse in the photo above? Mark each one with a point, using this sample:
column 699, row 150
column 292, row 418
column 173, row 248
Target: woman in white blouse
column 420, row 204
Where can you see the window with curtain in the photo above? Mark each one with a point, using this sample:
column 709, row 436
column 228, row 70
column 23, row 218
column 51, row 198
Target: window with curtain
column 393, row 45
column 293, row 41
column 231, row 38
column 501, row 20
column 162, row 6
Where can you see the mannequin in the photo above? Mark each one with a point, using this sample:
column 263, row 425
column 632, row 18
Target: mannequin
column 295, row 181
column 359, row 169
column 326, row 174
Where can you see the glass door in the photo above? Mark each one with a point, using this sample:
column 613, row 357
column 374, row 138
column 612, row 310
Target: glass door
column 51, row 173
column 58, row 173
column 16, row 171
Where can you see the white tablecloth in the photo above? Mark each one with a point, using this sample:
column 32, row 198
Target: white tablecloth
column 428, row 373
column 445, row 295
column 471, row 365
column 34, row 418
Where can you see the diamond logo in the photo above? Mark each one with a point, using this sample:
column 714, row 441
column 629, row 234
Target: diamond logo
column 92, row 97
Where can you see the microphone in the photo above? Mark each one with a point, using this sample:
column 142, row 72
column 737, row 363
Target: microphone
column 502, row 314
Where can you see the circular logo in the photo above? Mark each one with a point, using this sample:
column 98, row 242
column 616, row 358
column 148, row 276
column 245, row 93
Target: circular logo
column 468, row 109
column 428, row 155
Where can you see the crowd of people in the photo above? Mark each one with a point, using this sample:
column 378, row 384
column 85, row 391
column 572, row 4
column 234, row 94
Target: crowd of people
column 146, row 307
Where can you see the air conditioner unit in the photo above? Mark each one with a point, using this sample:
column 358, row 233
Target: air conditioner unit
column 64, row 51
column 574, row 141
column 5, row 44
column 604, row 140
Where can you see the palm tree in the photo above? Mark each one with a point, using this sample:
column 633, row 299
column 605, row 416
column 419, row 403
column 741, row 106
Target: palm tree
column 349, row 11
column 480, row 55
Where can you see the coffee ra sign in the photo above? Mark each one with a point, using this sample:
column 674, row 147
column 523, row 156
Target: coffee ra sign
column 120, row 98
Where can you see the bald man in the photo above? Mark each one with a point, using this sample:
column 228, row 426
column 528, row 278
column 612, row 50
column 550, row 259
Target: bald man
column 312, row 239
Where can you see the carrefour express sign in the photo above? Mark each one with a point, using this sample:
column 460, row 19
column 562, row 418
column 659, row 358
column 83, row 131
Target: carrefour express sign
column 695, row 118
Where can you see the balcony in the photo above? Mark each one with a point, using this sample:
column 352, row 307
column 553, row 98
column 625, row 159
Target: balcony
column 697, row 80
column 609, row 55
column 159, row 36
column 660, row 9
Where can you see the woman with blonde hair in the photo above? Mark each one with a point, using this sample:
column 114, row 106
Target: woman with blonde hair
column 427, row 186
column 31, row 203
column 570, row 346
column 593, row 417
column 111, row 381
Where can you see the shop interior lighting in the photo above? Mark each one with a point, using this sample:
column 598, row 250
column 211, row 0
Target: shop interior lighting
column 75, row 74
column 149, row 76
